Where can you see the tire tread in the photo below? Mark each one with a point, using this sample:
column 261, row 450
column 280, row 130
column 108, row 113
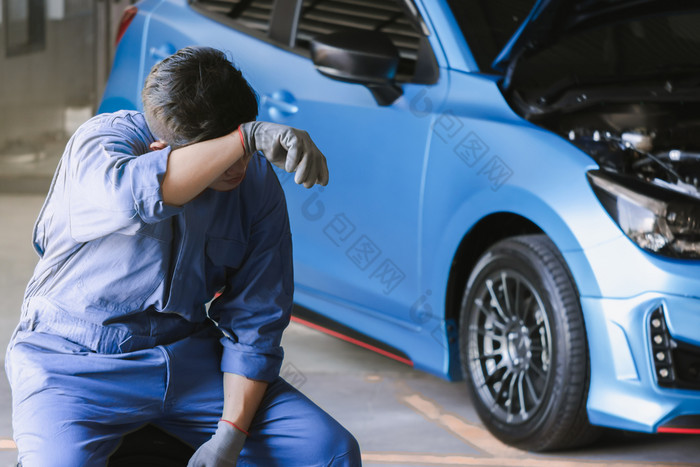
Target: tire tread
column 570, row 427
column 578, row 431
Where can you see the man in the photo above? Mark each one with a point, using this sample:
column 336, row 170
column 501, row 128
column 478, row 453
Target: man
column 149, row 216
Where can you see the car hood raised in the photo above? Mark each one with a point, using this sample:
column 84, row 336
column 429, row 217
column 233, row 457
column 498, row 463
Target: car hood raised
column 549, row 20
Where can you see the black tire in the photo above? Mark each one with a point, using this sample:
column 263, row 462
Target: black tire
column 523, row 346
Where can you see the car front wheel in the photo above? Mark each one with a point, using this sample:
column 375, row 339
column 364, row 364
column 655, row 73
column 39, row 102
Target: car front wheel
column 523, row 346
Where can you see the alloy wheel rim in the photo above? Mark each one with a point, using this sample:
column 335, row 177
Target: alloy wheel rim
column 509, row 346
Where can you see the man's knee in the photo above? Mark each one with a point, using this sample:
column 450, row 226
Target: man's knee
column 347, row 451
column 63, row 444
column 58, row 455
column 339, row 446
column 292, row 430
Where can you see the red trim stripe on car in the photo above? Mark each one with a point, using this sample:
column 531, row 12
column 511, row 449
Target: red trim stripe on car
column 351, row 340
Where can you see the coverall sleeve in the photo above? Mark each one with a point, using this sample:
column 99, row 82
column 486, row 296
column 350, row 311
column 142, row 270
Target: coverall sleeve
column 256, row 306
column 114, row 181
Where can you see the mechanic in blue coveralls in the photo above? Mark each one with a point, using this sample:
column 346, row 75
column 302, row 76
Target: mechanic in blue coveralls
column 149, row 216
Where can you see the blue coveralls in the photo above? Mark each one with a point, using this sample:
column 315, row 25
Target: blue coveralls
column 113, row 332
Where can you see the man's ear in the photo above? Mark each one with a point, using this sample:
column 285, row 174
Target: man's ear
column 157, row 145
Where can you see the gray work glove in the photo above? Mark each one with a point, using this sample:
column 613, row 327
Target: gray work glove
column 221, row 450
column 287, row 148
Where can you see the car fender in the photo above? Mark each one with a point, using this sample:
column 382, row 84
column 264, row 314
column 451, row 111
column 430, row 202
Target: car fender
column 525, row 204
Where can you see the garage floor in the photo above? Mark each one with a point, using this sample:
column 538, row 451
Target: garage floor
column 401, row 417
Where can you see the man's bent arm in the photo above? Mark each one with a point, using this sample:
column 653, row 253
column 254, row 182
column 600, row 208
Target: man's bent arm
column 191, row 169
column 242, row 398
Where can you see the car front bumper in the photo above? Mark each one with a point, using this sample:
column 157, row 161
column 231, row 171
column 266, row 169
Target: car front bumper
column 642, row 377
column 624, row 390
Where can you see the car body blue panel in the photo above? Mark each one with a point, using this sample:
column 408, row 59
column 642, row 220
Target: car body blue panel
column 616, row 398
column 409, row 181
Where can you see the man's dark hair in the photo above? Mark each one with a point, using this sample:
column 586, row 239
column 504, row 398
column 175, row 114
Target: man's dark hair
column 196, row 94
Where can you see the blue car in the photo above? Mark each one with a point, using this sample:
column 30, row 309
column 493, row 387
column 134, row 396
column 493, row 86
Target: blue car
column 514, row 194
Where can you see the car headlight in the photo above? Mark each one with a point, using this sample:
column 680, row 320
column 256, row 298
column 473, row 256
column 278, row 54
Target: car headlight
column 657, row 219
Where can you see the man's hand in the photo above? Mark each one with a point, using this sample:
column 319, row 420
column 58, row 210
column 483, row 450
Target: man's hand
column 287, row 148
column 221, row 450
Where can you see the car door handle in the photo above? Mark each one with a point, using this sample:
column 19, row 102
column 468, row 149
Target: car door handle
column 280, row 104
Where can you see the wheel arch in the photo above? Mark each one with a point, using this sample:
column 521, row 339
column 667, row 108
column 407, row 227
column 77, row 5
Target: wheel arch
column 485, row 233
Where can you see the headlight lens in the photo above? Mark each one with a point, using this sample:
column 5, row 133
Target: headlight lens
column 657, row 219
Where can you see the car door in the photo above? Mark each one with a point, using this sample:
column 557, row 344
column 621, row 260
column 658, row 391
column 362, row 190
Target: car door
column 355, row 240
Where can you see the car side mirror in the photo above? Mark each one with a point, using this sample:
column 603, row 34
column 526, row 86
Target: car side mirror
column 359, row 56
